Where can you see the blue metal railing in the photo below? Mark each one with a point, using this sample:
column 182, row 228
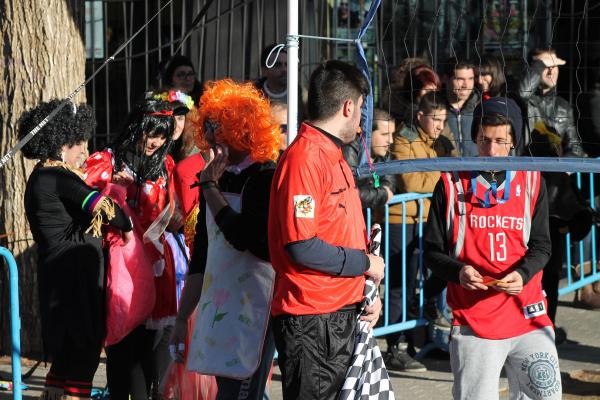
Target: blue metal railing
column 594, row 274
column 406, row 323
column 15, row 322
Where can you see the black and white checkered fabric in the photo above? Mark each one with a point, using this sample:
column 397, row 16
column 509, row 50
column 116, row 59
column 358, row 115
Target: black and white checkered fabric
column 367, row 378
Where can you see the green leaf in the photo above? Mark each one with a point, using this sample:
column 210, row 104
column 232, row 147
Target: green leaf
column 220, row 316
column 205, row 305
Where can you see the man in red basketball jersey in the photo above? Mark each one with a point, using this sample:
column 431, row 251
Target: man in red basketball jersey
column 317, row 241
column 488, row 235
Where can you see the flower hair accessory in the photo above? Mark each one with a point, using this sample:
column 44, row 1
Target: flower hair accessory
column 175, row 95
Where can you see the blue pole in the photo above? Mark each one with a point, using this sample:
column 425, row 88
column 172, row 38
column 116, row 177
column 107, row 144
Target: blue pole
column 403, row 261
column 593, row 205
column 581, row 254
column 15, row 322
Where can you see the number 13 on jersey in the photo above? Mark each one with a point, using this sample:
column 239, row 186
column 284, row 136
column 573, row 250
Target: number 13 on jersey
column 497, row 246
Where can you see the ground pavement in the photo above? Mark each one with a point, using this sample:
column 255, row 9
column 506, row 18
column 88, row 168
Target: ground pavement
column 579, row 364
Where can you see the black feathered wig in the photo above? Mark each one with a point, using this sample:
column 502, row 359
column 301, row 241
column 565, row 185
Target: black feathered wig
column 70, row 126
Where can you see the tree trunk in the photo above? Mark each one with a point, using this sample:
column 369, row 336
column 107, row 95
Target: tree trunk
column 43, row 58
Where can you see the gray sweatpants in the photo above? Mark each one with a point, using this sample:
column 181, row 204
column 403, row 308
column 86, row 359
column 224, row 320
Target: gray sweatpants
column 530, row 360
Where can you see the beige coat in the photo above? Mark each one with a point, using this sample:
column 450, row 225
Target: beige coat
column 410, row 145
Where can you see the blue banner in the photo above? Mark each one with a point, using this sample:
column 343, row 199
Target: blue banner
column 366, row 122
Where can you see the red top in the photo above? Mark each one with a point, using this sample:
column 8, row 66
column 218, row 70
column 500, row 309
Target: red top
column 153, row 196
column 184, row 177
column 493, row 240
column 313, row 195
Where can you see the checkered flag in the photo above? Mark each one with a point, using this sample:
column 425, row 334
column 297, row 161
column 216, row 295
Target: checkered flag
column 367, row 378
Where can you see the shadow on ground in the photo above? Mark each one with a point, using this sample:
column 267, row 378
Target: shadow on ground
column 574, row 351
column 581, row 383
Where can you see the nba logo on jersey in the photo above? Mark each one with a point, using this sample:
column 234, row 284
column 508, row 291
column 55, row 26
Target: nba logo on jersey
column 518, row 190
column 534, row 310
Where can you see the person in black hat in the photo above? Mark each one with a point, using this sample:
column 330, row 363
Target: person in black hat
column 487, row 235
column 498, row 112
column 273, row 82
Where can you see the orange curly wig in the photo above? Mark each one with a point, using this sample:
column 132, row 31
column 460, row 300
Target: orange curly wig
column 243, row 117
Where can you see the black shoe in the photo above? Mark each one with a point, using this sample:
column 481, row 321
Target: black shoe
column 397, row 359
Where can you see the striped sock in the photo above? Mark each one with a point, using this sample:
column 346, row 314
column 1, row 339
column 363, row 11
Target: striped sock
column 82, row 390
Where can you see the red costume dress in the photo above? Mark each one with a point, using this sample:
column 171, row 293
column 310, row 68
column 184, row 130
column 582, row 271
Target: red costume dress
column 128, row 286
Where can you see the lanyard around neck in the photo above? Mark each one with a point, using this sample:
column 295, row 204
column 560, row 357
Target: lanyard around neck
column 492, row 191
column 371, row 170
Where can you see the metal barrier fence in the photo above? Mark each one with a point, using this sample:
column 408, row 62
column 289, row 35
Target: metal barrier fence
column 589, row 244
column 405, row 324
column 15, row 322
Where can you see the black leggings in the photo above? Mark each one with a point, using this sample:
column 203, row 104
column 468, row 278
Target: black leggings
column 130, row 367
column 73, row 369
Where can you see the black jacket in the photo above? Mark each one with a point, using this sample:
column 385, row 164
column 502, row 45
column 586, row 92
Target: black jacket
column 370, row 196
column 460, row 123
column 554, row 111
column 567, row 206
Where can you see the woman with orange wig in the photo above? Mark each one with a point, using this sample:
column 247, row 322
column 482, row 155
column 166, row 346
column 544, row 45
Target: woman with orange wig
column 230, row 277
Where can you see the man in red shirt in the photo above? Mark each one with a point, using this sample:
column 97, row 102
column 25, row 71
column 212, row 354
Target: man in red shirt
column 317, row 240
column 487, row 234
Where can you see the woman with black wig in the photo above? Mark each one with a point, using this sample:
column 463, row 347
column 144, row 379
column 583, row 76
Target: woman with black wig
column 66, row 216
column 138, row 169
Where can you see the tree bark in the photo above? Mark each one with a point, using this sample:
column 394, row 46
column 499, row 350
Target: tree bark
column 43, row 58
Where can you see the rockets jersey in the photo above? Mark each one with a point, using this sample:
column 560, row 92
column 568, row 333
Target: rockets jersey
column 488, row 228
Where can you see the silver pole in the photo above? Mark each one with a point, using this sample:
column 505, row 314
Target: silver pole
column 292, row 71
column 549, row 24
